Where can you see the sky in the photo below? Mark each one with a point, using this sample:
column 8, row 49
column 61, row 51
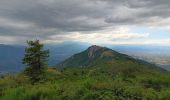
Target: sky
column 131, row 22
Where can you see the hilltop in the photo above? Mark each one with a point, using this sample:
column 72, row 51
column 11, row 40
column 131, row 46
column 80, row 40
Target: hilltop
column 97, row 56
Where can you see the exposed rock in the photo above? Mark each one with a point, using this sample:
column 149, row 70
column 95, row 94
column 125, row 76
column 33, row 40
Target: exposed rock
column 92, row 50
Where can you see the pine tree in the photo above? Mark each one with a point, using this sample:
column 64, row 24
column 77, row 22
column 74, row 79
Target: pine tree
column 36, row 60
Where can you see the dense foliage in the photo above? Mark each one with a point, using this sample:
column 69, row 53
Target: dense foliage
column 35, row 58
column 89, row 84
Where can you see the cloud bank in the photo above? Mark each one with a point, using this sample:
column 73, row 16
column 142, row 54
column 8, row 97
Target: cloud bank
column 80, row 20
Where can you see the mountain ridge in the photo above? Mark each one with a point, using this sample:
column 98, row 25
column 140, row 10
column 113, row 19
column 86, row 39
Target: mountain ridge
column 101, row 56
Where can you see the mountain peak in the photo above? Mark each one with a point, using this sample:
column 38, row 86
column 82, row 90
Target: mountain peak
column 92, row 50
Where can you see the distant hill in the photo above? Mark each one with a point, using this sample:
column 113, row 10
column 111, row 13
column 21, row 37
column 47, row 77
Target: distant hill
column 11, row 55
column 96, row 56
column 11, row 58
column 60, row 52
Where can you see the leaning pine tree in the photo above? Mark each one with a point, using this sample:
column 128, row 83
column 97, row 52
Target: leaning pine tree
column 36, row 60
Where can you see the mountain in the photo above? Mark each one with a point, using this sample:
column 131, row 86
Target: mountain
column 96, row 56
column 11, row 58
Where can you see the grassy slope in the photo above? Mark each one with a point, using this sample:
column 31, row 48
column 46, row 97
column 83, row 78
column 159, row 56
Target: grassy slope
column 95, row 83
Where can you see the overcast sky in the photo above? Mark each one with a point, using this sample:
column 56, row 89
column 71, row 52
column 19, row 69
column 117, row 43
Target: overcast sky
column 91, row 21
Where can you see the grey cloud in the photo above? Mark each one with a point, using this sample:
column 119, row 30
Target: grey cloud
column 59, row 14
column 141, row 11
column 50, row 17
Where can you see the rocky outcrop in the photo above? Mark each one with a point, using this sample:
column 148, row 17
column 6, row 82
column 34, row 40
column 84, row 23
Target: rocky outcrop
column 92, row 50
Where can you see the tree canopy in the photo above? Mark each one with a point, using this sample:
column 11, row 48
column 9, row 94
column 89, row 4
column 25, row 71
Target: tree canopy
column 36, row 60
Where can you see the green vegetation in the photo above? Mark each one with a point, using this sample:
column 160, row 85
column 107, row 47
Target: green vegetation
column 88, row 84
column 35, row 58
column 103, row 76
